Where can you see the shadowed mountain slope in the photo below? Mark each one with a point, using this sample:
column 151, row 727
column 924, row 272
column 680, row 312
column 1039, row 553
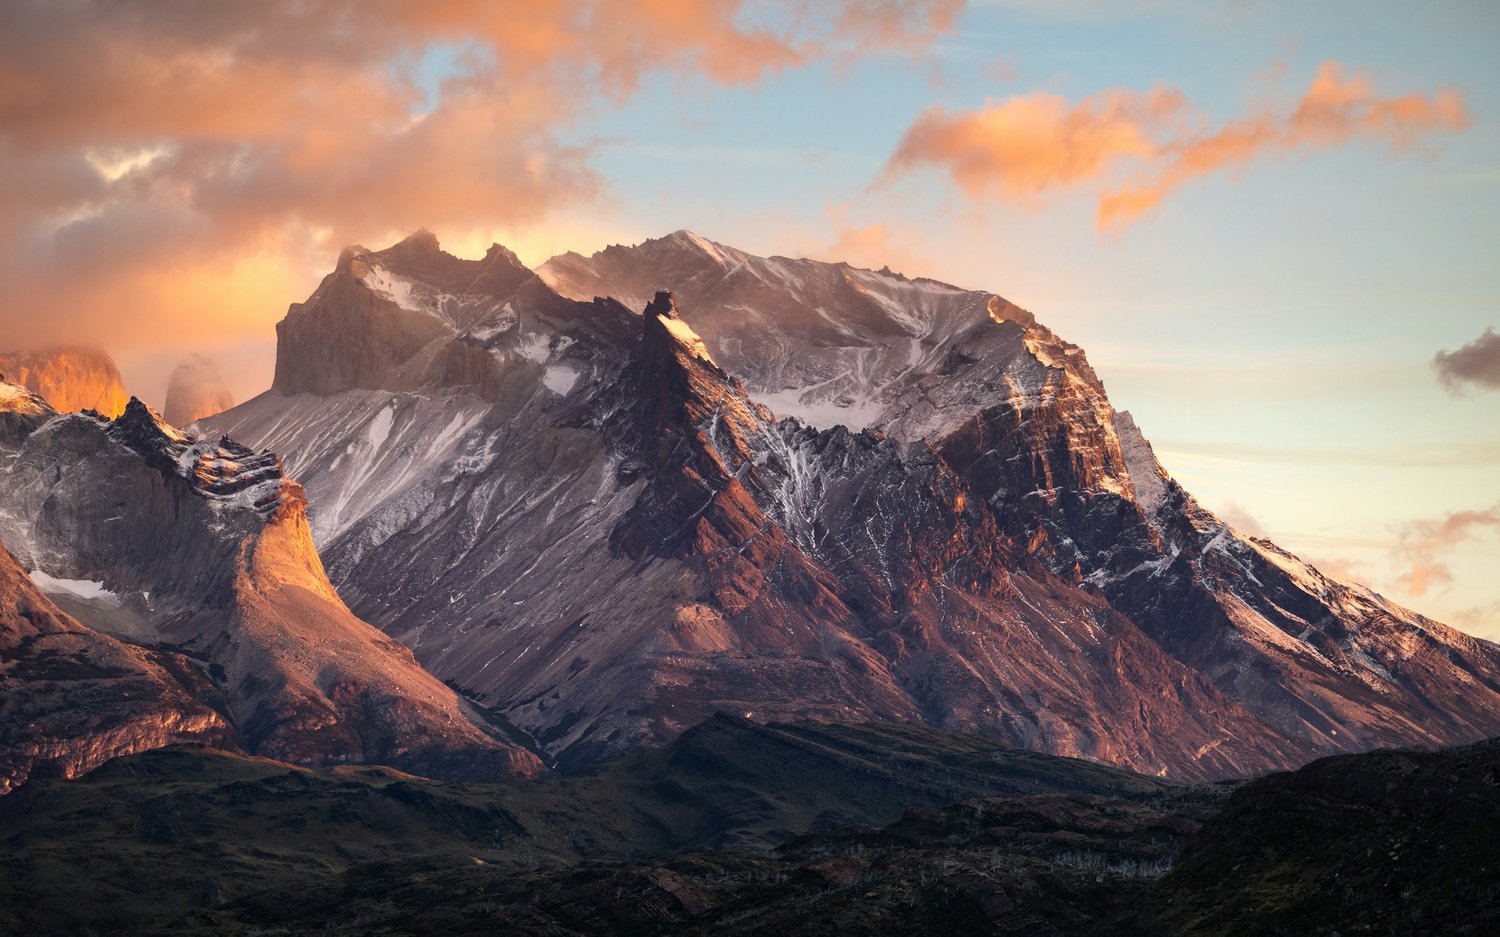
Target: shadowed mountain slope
column 201, row 549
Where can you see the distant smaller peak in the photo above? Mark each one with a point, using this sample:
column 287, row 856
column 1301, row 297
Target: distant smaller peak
column 698, row 243
column 501, row 252
column 421, row 240
column 140, row 417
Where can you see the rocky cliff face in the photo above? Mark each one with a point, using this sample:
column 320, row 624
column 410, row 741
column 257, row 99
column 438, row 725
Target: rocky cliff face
column 195, row 391
column 72, row 698
column 69, row 378
column 202, row 547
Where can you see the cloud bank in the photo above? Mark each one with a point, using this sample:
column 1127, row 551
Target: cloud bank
column 177, row 168
column 1140, row 147
column 1421, row 544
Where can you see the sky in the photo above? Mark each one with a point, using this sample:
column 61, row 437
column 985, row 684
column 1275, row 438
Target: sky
column 1272, row 226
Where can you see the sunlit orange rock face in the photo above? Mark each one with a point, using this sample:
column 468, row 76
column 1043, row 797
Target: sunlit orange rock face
column 69, row 378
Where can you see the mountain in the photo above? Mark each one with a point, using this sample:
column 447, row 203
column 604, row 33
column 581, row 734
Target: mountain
column 199, row 550
column 69, row 378
column 569, row 511
column 195, row 391
column 605, row 527
column 1026, row 423
column 575, row 514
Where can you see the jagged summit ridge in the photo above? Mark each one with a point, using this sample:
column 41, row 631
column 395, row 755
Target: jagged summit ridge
column 661, row 313
column 826, row 342
column 225, row 472
column 418, row 312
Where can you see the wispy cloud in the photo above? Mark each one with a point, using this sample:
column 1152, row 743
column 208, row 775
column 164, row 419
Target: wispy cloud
column 1239, row 517
column 1140, row 147
column 1476, row 364
column 1421, row 545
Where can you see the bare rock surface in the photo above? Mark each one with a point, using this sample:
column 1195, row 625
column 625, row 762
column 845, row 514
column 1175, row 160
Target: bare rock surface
column 169, row 541
column 69, row 379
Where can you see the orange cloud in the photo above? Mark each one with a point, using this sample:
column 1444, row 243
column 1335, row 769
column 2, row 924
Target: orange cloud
column 1421, row 543
column 1031, row 144
column 873, row 246
column 169, row 169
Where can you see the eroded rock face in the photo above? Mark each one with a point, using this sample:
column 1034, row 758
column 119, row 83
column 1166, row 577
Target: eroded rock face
column 203, row 547
column 72, row 698
column 69, row 379
column 196, row 390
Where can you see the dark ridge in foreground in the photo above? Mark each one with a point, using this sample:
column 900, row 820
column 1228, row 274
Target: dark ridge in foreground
column 744, row 829
column 172, row 833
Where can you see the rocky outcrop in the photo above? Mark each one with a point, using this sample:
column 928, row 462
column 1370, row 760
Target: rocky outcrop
column 72, row 698
column 196, row 390
column 203, row 547
column 380, row 318
column 69, row 379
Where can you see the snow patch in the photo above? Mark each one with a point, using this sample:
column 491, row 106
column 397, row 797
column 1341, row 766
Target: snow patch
column 706, row 246
column 380, row 427
column 535, row 346
column 804, row 403
column 1146, row 473
column 86, row 589
column 397, row 288
column 505, row 320
column 560, row 379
